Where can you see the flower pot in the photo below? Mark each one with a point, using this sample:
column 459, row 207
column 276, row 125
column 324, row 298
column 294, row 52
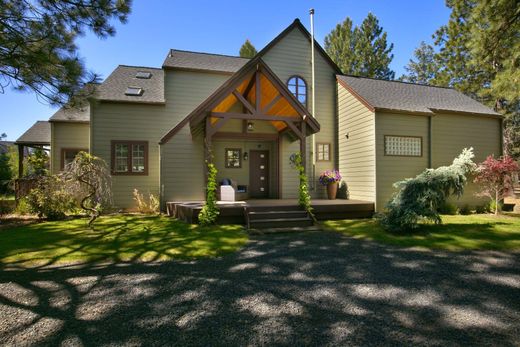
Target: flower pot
column 332, row 190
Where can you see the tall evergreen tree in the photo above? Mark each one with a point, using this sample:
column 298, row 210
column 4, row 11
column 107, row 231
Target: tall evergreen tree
column 423, row 68
column 37, row 43
column 247, row 50
column 362, row 50
column 480, row 56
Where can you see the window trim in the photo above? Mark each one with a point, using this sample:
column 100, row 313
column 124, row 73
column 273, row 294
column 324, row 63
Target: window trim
column 65, row 149
column 403, row 155
column 330, row 151
column 297, row 88
column 130, row 143
column 239, row 158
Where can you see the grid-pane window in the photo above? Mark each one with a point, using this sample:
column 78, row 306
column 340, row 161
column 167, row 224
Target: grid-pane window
column 323, row 151
column 233, row 158
column 121, row 157
column 138, row 158
column 129, row 157
column 298, row 88
column 68, row 156
column 407, row 146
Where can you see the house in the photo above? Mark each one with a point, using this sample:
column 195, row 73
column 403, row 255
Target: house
column 157, row 126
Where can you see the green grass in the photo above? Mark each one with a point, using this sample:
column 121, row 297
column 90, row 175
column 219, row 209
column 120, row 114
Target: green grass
column 6, row 197
column 455, row 234
column 115, row 239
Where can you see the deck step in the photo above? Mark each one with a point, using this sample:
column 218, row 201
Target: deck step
column 280, row 223
column 256, row 215
column 283, row 230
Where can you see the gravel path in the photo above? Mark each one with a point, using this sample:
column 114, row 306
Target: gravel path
column 298, row 289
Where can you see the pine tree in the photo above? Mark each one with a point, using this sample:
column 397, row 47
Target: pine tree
column 424, row 68
column 362, row 50
column 247, row 50
column 37, row 43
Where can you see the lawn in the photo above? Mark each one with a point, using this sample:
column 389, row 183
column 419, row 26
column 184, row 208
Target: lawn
column 114, row 239
column 455, row 234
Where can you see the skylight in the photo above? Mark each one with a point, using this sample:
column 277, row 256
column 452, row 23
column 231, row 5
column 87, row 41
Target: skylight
column 143, row 75
column 134, row 91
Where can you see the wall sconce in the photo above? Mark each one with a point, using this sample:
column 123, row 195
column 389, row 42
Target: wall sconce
column 250, row 126
column 246, row 156
column 347, row 135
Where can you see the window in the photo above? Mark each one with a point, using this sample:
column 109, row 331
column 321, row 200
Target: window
column 134, row 91
column 298, row 88
column 233, row 158
column 143, row 75
column 69, row 154
column 406, row 146
column 323, row 151
column 129, row 157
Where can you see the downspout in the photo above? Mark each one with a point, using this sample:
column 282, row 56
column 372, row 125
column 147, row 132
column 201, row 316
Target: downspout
column 313, row 97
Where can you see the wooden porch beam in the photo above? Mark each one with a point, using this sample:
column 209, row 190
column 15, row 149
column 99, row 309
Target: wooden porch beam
column 295, row 129
column 244, row 101
column 250, row 85
column 20, row 160
column 271, row 103
column 258, row 90
column 256, row 116
column 212, row 129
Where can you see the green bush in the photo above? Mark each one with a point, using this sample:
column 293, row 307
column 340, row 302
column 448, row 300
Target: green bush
column 493, row 205
column 51, row 198
column 23, row 207
column 447, row 208
column 480, row 209
column 465, row 210
column 343, row 192
column 419, row 198
column 209, row 213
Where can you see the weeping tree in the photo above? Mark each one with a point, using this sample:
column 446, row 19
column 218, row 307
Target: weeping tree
column 419, row 198
column 89, row 179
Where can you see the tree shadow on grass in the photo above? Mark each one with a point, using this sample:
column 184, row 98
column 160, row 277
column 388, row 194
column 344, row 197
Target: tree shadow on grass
column 297, row 289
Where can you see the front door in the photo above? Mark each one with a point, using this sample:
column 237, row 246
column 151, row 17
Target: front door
column 259, row 174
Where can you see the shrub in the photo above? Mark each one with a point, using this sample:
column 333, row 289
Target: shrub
column 51, row 198
column 343, row 192
column 465, row 210
column 419, row 198
column 209, row 213
column 150, row 206
column 23, row 207
column 480, row 209
column 494, row 206
column 447, row 208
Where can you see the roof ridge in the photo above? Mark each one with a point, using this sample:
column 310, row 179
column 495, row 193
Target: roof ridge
column 140, row 67
column 396, row 81
column 206, row 53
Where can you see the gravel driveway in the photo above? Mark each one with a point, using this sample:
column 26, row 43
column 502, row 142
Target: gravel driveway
column 297, row 289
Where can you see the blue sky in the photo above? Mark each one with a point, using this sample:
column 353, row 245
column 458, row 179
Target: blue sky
column 221, row 27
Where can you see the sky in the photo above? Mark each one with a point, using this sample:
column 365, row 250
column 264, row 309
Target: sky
column 155, row 26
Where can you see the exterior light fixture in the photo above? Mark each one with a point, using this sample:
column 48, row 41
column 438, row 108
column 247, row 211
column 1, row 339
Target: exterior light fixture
column 246, row 156
column 250, row 126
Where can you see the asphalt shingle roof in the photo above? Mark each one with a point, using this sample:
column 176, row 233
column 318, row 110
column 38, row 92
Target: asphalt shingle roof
column 203, row 61
column 73, row 114
column 399, row 96
column 38, row 134
column 114, row 87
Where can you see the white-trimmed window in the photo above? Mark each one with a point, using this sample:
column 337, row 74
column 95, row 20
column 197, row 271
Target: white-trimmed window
column 323, row 151
column 298, row 87
column 403, row 146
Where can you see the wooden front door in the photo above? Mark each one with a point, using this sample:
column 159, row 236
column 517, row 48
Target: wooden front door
column 258, row 174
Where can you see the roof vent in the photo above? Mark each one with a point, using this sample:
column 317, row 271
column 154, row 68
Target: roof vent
column 134, row 91
column 143, row 75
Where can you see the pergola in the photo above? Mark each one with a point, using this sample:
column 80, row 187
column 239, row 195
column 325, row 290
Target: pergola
column 37, row 136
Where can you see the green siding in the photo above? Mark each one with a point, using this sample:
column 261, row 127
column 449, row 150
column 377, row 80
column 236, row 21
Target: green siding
column 67, row 135
column 357, row 153
column 292, row 56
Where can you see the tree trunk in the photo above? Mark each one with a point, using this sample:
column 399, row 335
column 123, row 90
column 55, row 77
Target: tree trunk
column 496, row 203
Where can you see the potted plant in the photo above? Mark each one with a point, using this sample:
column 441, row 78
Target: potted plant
column 330, row 178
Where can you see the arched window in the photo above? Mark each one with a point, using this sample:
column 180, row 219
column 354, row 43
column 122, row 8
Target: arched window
column 298, row 87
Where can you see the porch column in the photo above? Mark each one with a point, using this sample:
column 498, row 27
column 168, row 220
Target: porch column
column 303, row 145
column 207, row 149
column 20, row 160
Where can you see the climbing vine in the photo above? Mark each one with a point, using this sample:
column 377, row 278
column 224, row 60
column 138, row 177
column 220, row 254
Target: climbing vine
column 304, row 198
column 209, row 213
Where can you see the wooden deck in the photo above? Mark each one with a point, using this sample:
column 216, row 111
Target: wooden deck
column 233, row 213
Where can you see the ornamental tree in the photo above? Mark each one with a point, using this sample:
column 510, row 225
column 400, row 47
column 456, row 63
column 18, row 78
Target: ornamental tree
column 495, row 178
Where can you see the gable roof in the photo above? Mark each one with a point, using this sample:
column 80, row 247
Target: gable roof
column 72, row 114
column 296, row 24
column 38, row 134
column 410, row 97
column 114, row 87
column 254, row 64
column 187, row 60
